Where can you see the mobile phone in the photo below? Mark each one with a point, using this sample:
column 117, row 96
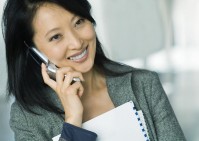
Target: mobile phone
column 51, row 68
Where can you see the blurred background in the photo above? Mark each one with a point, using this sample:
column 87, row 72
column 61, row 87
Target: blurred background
column 159, row 35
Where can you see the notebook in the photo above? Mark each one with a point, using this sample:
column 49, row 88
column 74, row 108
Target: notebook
column 121, row 123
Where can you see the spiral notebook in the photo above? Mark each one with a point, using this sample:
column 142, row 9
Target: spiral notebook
column 121, row 123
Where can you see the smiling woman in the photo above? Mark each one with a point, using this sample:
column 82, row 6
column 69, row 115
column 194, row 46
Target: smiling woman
column 66, row 39
column 63, row 30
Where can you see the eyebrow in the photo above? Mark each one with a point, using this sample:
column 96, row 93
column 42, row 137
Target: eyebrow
column 54, row 29
column 57, row 28
column 73, row 17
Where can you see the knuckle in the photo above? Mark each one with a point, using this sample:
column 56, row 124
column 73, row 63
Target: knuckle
column 69, row 74
column 82, row 89
column 57, row 89
column 62, row 91
column 69, row 90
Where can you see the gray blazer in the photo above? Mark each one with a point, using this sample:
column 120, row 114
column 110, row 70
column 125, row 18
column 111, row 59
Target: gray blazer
column 141, row 86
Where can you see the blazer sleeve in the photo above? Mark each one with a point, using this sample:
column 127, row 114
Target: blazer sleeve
column 74, row 133
column 20, row 126
column 24, row 130
column 166, row 124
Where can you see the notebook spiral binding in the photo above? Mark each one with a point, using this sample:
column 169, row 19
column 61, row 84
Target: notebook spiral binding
column 141, row 125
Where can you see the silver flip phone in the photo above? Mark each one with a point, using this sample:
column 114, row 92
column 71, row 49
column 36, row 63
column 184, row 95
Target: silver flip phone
column 51, row 68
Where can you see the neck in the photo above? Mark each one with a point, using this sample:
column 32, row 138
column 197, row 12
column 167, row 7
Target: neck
column 94, row 80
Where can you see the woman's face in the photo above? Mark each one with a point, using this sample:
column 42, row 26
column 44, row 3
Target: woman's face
column 66, row 39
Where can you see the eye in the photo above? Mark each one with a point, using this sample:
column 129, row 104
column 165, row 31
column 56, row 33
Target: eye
column 79, row 22
column 55, row 37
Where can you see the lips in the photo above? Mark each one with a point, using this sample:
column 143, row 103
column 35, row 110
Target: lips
column 79, row 56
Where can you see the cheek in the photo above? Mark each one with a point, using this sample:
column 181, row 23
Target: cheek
column 89, row 33
column 56, row 54
column 53, row 53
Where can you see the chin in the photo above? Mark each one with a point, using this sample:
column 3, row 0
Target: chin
column 85, row 68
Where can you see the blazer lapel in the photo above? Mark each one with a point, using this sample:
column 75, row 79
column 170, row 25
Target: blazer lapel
column 120, row 89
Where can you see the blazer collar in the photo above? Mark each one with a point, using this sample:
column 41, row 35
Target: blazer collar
column 120, row 89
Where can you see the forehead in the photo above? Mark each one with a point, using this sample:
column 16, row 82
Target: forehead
column 49, row 14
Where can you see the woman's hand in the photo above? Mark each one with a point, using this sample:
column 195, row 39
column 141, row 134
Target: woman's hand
column 68, row 93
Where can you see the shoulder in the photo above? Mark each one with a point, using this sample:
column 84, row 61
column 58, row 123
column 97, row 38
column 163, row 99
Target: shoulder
column 42, row 126
column 143, row 75
column 136, row 76
column 144, row 83
column 122, row 68
column 136, row 73
column 20, row 116
column 17, row 111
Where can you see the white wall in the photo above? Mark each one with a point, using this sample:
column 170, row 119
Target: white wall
column 130, row 28
column 5, row 131
column 3, row 75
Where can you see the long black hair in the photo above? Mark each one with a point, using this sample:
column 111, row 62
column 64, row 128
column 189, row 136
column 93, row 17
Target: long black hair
column 24, row 74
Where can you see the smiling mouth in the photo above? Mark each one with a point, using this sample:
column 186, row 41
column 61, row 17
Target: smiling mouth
column 80, row 56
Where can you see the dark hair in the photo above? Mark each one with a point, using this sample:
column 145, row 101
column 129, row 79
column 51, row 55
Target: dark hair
column 24, row 74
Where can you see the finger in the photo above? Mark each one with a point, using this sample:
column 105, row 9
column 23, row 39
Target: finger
column 60, row 77
column 79, row 88
column 76, row 74
column 61, row 73
column 80, row 91
column 67, row 80
column 46, row 78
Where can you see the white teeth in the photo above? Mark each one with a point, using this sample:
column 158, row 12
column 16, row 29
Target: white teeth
column 79, row 56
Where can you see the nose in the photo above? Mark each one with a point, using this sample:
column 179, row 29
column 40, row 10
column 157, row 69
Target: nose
column 74, row 40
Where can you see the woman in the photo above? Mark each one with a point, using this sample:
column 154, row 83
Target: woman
column 64, row 31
